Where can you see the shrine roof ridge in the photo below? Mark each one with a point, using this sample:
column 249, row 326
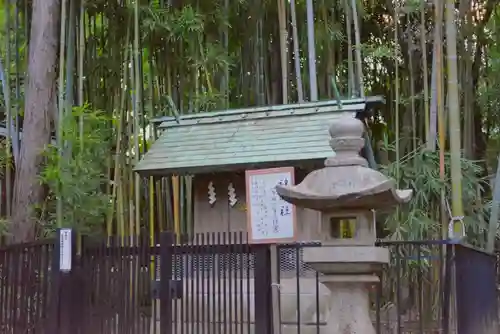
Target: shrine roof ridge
column 232, row 115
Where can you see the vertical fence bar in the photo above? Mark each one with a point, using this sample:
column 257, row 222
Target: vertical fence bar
column 420, row 290
column 30, row 288
column 230, row 257
column 208, row 269
column 250, row 255
column 53, row 314
column 37, row 273
column 24, row 276
column 44, row 288
column 214, row 276
column 263, row 299
column 143, row 291
column 447, row 289
column 110, row 282
column 378, row 297
column 121, row 296
column 107, row 287
column 14, row 286
column 154, row 279
column 185, row 285
column 192, row 295
column 316, row 275
column 3, row 288
column 6, row 295
column 176, row 270
column 398, row 287
column 166, row 244
column 224, row 280
column 220, row 274
column 202, row 268
column 196, row 277
column 297, row 272
column 278, row 278
column 241, row 278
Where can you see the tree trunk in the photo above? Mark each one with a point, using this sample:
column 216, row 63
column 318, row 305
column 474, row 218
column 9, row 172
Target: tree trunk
column 40, row 103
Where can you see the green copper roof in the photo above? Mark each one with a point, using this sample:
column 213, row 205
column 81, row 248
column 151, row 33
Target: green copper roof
column 236, row 139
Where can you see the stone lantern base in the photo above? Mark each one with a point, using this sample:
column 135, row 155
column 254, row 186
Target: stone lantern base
column 349, row 307
column 347, row 273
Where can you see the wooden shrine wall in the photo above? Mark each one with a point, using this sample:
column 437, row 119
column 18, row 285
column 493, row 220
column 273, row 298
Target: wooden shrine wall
column 222, row 217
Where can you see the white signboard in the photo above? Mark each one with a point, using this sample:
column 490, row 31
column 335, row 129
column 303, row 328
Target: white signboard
column 65, row 249
column 269, row 218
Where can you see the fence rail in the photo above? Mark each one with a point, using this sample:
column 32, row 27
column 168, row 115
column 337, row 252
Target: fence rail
column 218, row 283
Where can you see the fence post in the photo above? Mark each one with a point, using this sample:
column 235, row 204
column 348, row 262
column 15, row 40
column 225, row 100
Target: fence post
column 62, row 301
column 166, row 244
column 263, row 290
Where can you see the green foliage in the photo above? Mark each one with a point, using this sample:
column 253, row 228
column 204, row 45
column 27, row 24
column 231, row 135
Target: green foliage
column 78, row 175
column 419, row 170
column 380, row 51
column 203, row 54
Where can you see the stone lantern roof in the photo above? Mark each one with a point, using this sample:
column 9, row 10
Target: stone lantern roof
column 346, row 183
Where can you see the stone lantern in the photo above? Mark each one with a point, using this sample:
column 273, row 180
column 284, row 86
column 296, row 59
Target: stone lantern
column 347, row 192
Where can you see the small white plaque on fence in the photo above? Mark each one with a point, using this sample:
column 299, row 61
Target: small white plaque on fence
column 65, row 249
column 269, row 218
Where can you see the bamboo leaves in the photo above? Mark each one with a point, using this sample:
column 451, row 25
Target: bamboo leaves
column 196, row 56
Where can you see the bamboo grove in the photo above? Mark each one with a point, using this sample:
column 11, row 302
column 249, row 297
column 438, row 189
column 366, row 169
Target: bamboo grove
column 123, row 63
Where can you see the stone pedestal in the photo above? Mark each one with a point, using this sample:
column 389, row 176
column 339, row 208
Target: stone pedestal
column 349, row 271
column 349, row 308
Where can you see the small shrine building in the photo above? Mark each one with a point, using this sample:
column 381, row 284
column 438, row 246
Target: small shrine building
column 217, row 147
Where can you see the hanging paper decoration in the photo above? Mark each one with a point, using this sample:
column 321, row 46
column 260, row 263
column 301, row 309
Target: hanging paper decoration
column 232, row 194
column 211, row 193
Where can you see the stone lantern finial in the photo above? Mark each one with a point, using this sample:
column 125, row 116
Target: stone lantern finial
column 347, row 141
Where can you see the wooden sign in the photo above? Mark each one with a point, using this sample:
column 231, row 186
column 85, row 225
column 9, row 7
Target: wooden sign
column 269, row 218
column 65, row 249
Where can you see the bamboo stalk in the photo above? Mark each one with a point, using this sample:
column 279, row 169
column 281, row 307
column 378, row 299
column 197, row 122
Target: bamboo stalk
column 60, row 115
column 176, row 204
column 15, row 135
column 311, row 49
column 137, row 110
column 8, row 107
column 350, row 70
column 423, row 46
column 283, row 49
column 454, row 115
column 357, row 39
column 396, row 91
column 296, row 53
column 81, row 58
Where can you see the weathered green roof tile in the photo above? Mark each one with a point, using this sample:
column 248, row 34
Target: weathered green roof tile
column 235, row 139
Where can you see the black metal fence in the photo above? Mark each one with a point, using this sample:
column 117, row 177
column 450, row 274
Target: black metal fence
column 408, row 298
column 225, row 285
column 218, row 283
column 26, row 287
